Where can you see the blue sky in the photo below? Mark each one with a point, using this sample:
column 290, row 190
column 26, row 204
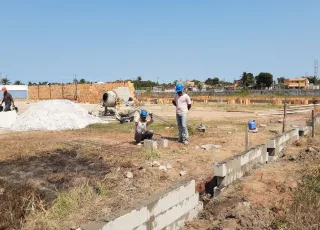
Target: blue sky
column 109, row 40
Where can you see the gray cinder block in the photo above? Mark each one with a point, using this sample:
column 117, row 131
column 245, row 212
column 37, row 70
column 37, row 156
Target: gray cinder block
column 162, row 143
column 150, row 144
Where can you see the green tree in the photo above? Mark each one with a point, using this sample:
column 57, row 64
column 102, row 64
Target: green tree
column 5, row 81
column 82, row 81
column 208, row 81
column 17, row 82
column 281, row 80
column 247, row 80
column 43, row 83
column 313, row 80
column 215, row 81
column 264, row 80
column 139, row 78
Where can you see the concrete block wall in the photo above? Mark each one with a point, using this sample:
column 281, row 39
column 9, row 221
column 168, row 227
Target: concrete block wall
column 236, row 166
column 168, row 209
column 276, row 144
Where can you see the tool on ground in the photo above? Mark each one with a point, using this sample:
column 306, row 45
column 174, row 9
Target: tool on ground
column 93, row 109
column 201, row 128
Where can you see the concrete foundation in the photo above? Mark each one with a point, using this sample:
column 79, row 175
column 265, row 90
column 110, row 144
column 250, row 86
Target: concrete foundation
column 276, row 144
column 168, row 209
column 236, row 166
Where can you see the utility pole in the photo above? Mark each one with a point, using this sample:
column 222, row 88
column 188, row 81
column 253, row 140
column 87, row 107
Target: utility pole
column 75, row 82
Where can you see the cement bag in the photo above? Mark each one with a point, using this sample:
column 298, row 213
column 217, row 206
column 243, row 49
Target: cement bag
column 7, row 119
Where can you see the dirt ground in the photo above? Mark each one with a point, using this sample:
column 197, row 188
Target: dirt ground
column 263, row 199
column 78, row 176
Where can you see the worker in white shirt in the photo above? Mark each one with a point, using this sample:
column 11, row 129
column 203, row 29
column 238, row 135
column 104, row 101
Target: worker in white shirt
column 141, row 132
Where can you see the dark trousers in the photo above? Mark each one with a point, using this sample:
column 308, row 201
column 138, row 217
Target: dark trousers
column 141, row 136
column 7, row 107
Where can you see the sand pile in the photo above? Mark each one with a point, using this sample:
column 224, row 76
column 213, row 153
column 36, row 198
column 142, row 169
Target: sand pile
column 54, row 115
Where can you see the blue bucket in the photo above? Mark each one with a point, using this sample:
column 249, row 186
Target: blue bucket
column 252, row 125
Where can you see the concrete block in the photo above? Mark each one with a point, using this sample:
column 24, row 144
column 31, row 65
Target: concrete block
column 127, row 221
column 162, row 143
column 179, row 223
column 153, row 205
column 142, row 227
column 220, row 169
column 143, row 215
column 271, row 143
column 150, row 144
column 171, row 215
column 187, row 190
column 108, row 226
column 272, row 158
column 170, row 200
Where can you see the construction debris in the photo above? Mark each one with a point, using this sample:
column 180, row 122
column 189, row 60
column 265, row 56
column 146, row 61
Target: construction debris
column 155, row 164
column 129, row 175
column 182, row 173
column 162, row 168
column 210, row 146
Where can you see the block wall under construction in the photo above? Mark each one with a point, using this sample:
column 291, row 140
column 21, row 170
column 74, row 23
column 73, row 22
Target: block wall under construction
column 90, row 93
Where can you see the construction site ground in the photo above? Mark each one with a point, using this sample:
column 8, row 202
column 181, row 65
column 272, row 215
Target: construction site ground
column 63, row 179
column 279, row 195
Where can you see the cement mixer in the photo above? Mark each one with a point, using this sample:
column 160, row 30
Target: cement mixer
column 114, row 106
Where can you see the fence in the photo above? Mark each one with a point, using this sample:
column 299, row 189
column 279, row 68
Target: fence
column 91, row 93
column 280, row 92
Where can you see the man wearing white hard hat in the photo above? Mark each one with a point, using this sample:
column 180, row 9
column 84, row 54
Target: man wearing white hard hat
column 7, row 99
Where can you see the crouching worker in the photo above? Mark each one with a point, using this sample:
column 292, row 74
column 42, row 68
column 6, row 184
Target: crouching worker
column 141, row 132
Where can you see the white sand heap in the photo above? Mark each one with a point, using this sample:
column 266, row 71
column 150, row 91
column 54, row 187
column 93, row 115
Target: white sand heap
column 54, row 115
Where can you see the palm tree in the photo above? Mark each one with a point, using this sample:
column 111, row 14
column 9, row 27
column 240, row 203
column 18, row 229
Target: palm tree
column 5, row 81
column 247, row 79
column 17, row 82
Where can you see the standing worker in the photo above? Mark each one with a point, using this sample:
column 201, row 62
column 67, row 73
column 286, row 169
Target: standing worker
column 141, row 125
column 7, row 99
column 182, row 102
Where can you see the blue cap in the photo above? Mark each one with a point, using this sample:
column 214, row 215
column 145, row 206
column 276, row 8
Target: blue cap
column 143, row 113
column 179, row 88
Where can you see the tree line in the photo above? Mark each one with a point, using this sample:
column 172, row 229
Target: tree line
column 6, row 81
column 261, row 81
column 247, row 80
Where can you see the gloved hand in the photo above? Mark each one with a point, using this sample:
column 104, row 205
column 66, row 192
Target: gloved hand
column 150, row 113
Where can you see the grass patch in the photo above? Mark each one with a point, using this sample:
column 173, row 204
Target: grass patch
column 66, row 204
column 151, row 154
column 125, row 128
column 112, row 127
column 305, row 209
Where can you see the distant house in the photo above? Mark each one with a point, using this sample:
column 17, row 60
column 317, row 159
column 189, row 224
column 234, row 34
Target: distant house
column 234, row 86
column 296, row 83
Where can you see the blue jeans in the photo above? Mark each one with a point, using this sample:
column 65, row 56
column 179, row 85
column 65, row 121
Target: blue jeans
column 182, row 120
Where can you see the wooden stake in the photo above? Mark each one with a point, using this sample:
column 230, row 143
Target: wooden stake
column 247, row 137
column 284, row 117
column 313, row 124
